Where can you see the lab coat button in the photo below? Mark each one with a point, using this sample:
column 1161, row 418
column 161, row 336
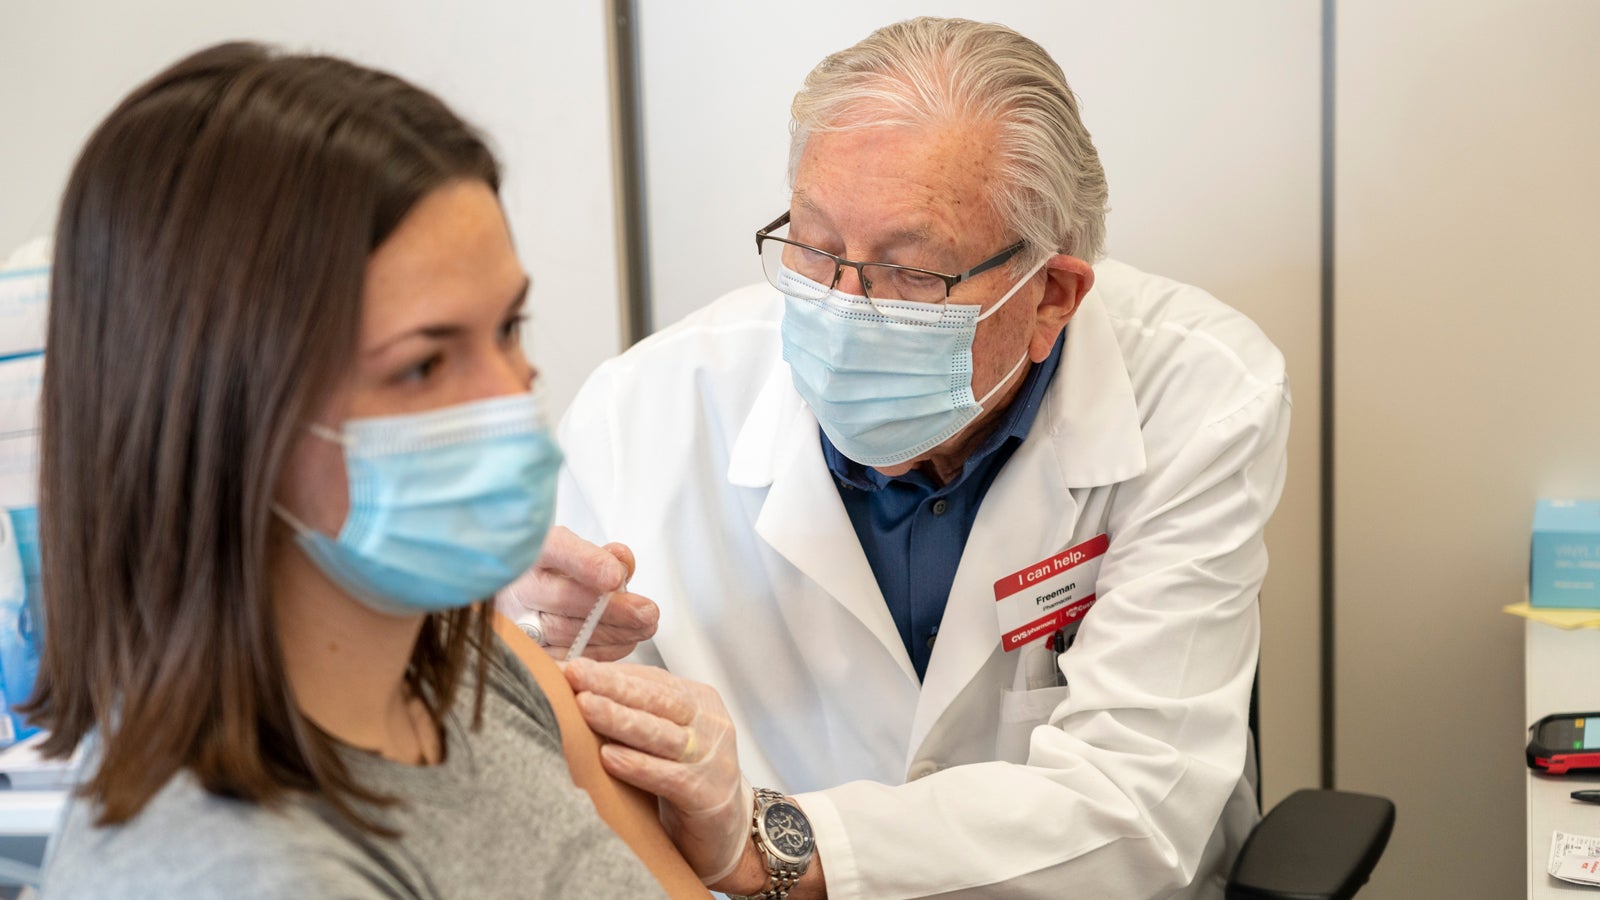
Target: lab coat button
column 922, row 769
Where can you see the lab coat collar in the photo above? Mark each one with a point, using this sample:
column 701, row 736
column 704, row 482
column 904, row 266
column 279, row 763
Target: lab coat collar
column 802, row 517
column 754, row 458
column 1089, row 413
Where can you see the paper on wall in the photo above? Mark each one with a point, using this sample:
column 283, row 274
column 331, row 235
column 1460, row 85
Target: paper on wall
column 19, row 431
column 1575, row 858
column 24, row 295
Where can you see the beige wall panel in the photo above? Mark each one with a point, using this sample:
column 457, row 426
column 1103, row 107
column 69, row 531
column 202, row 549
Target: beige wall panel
column 1467, row 321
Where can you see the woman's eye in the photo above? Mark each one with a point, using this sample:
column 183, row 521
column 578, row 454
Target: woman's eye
column 511, row 329
column 422, row 370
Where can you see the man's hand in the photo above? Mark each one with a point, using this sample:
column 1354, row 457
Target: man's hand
column 673, row 738
column 563, row 586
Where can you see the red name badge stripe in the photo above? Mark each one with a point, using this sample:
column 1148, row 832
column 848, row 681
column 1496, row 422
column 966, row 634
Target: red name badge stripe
column 1039, row 571
column 1046, row 626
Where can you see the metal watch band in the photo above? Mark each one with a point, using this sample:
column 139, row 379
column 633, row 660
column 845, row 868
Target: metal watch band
column 781, row 875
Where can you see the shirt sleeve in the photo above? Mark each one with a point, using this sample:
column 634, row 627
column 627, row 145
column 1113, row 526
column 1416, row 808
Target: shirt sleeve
column 1124, row 788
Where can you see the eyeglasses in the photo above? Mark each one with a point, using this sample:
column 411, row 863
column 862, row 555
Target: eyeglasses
column 819, row 271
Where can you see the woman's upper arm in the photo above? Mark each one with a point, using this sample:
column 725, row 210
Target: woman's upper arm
column 631, row 813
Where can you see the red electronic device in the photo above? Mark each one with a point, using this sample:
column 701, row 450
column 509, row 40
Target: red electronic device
column 1565, row 742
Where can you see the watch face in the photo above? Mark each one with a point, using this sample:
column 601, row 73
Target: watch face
column 787, row 831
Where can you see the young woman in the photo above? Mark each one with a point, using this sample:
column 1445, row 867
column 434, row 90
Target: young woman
column 289, row 449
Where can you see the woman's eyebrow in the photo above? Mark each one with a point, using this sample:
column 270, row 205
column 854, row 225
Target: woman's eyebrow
column 442, row 330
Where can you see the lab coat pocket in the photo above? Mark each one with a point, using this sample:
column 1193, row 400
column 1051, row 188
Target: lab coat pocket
column 1020, row 713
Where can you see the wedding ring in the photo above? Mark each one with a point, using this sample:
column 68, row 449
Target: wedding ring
column 531, row 628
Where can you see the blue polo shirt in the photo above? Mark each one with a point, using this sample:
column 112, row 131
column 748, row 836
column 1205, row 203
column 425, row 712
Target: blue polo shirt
column 913, row 531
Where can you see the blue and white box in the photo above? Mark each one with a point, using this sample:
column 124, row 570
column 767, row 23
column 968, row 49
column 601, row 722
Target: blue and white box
column 23, row 297
column 19, row 640
column 1565, row 567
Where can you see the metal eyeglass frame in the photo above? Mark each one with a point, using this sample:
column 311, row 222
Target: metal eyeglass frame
column 839, row 262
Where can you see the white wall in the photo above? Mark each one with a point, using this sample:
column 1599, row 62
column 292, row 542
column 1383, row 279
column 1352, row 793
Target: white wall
column 534, row 76
column 1467, row 197
column 1206, row 116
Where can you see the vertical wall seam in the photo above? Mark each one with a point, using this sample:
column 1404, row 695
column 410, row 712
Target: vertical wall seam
column 628, row 122
column 1326, row 473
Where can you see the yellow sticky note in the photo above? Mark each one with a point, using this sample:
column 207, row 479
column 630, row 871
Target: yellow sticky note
column 1561, row 618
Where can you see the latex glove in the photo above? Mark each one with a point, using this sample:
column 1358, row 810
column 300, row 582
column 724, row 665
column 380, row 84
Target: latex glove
column 561, row 588
column 672, row 737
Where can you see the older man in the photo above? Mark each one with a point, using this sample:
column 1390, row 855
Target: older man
column 960, row 533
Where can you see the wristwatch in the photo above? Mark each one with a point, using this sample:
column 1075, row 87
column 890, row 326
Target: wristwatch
column 783, row 835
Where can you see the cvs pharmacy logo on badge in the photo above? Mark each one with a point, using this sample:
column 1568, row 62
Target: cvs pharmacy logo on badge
column 1050, row 594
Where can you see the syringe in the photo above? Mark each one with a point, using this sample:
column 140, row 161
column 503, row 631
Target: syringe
column 589, row 625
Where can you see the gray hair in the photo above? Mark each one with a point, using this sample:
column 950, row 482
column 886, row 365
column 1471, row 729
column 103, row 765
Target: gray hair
column 931, row 71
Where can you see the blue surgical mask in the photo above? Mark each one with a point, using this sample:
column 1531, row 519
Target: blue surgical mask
column 446, row 507
column 886, row 389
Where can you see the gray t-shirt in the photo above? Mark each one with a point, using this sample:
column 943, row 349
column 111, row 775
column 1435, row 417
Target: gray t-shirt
column 499, row 817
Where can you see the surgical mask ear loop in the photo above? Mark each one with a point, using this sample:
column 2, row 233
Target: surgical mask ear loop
column 1004, row 381
column 1024, row 358
column 1014, row 288
column 332, row 436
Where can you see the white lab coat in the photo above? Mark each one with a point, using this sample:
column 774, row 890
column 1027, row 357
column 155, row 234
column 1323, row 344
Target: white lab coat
column 1164, row 427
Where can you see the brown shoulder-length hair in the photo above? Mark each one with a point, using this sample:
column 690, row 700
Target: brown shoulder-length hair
column 205, row 296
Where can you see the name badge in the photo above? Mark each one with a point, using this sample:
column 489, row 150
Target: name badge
column 1049, row 595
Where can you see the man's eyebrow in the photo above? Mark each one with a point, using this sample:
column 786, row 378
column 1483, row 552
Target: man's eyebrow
column 804, row 199
column 918, row 236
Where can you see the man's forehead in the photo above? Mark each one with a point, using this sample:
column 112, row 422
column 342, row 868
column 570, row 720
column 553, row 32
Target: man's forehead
column 935, row 164
column 900, row 229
